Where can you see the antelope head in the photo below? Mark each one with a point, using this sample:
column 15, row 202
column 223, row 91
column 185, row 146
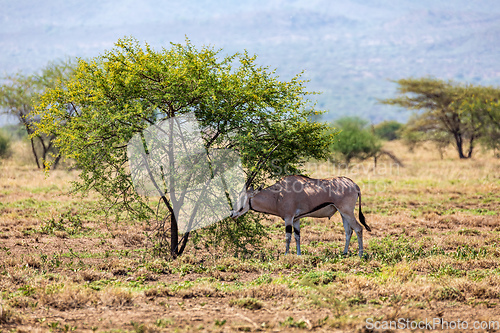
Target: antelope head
column 248, row 192
column 243, row 203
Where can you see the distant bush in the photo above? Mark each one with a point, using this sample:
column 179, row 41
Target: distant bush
column 4, row 145
column 356, row 140
column 388, row 130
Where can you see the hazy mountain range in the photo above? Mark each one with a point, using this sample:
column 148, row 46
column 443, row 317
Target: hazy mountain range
column 348, row 49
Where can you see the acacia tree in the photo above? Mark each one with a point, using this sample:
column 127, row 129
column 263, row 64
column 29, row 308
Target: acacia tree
column 241, row 106
column 18, row 95
column 447, row 111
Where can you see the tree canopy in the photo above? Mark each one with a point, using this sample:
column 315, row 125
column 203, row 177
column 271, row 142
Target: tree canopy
column 239, row 105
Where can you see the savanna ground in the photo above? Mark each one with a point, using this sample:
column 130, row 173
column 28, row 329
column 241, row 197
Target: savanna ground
column 433, row 253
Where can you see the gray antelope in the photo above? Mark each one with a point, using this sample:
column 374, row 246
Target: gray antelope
column 295, row 197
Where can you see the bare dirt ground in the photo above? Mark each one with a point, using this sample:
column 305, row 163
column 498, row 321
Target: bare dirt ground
column 433, row 255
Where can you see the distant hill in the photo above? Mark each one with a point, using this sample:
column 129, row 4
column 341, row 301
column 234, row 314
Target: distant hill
column 348, row 49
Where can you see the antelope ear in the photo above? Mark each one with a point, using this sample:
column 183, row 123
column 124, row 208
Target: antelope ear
column 260, row 188
column 251, row 188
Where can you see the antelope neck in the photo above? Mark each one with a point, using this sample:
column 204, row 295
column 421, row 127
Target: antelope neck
column 255, row 210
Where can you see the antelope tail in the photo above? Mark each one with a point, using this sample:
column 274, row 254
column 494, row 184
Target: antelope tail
column 361, row 216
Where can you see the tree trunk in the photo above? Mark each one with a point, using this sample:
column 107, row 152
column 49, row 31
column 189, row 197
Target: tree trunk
column 28, row 130
column 34, row 153
column 175, row 250
column 174, row 230
column 460, row 148
column 56, row 162
column 174, row 236
column 45, row 150
column 460, row 145
column 471, row 147
column 184, row 242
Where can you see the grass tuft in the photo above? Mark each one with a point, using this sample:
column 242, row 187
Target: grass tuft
column 247, row 303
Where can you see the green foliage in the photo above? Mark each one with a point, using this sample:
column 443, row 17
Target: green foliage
column 449, row 112
column 388, row 130
column 356, row 140
column 241, row 106
column 4, row 145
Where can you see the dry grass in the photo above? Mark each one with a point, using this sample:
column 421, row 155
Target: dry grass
column 433, row 253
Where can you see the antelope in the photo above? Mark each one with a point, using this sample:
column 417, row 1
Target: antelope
column 295, row 197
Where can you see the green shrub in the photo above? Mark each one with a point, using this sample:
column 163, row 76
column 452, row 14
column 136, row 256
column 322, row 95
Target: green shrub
column 356, row 140
column 388, row 130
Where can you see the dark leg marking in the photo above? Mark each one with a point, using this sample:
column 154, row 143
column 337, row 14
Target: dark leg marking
column 288, row 229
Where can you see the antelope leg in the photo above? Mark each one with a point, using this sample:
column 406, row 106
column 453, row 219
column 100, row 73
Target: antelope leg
column 296, row 230
column 354, row 225
column 288, row 236
column 348, row 233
